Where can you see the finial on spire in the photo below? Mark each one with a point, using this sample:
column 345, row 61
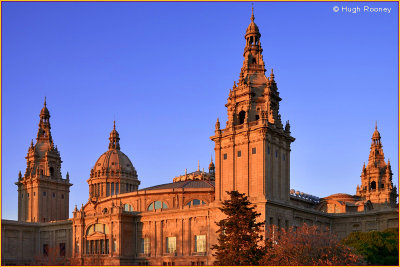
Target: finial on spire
column 45, row 101
column 376, row 125
column 114, row 124
column 211, row 158
column 252, row 11
column 198, row 165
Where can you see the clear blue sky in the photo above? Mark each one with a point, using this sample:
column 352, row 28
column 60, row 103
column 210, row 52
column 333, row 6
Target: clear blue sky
column 163, row 72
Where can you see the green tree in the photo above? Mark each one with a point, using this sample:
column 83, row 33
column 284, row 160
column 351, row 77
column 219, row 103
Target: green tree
column 239, row 234
column 378, row 248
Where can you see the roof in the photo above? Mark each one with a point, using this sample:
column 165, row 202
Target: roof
column 183, row 184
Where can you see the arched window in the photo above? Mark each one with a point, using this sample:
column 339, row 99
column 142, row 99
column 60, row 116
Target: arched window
column 51, row 171
column 128, row 208
column 97, row 227
column 373, row 185
column 157, row 205
column 242, row 115
column 196, row 202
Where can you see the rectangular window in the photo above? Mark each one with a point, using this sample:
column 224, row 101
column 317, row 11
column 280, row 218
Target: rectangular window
column 145, row 245
column 108, row 189
column 22, row 195
column 62, row 196
column 253, row 150
column 239, row 153
column 117, row 188
column 87, row 247
column 271, row 220
column 200, row 243
column 44, row 194
column 225, row 156
column 127, row 187
column 115, row 245
column 45, row 250
column 27, row 195
column 112, row 189
column 102, row 246
column 284, row 157
column 107, row 246
column 54, row 195
column 62, row 249
column 286, row 225
column 171, row 244
column 276, row 154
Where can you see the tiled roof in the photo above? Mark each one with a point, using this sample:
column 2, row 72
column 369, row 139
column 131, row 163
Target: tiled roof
column 183, row 184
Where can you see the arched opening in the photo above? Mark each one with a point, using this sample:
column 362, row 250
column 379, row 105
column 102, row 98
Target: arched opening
column 51, row 171
column 242, row 115
column 251, row 39
column 254, row 61
column 373, row 185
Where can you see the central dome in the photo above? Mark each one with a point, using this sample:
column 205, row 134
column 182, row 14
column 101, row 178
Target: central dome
column 113, row 163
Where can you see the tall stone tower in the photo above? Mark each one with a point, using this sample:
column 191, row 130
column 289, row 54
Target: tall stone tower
column 43, row 195
column 376, row 178
column 252, row 153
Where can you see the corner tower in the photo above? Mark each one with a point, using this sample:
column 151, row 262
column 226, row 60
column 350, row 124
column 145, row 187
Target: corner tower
column 376, row 178
column 252, row 153
column 43, row 195
column 113, row 173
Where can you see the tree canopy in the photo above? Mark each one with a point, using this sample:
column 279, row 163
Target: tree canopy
column 378, row 248
column 306, row 245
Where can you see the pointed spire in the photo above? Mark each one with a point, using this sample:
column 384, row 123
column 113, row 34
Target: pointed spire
column 198, row 165
column 252, row 11
column 376, row 125
column 67, row 176
column 45, row 102
column 114, row 124
column 31, row 143
column 19, row 175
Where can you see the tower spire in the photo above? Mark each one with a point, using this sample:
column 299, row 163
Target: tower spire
column 252, row 11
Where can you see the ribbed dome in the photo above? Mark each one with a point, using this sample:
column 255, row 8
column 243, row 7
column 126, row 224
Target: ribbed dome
column 113, row 163
column 116, row 162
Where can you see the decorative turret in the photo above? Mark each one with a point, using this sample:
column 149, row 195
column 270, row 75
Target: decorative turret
column 376, row 177
column 211, row 167
column 114, row 139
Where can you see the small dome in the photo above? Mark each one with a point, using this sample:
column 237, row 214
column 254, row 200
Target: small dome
column 376, row 134
column 341, row 196
column 44, row 111
column 252, row 28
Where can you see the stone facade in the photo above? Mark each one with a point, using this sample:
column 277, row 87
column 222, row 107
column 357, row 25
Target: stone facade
column 174, row 224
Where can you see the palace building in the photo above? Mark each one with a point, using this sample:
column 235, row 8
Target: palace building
column 174, row 223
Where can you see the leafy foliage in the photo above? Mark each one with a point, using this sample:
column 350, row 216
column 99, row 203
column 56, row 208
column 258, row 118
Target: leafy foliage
column 306, row 245
column 378, row 248
column 239, row 238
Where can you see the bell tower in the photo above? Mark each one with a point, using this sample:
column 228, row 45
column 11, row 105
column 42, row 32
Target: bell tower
column 252, row 153
column 376, row 178
column 43, row 195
